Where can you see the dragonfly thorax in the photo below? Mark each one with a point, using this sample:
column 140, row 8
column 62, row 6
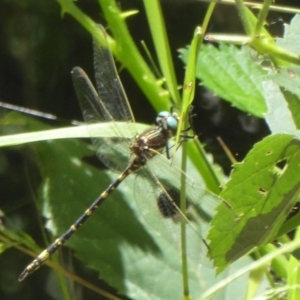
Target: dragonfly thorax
column 149, row 143
column 154, row 139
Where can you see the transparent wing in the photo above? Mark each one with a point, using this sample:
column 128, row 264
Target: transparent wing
column 108, row 104
column 109, row 86
column 113, row 152
column 157, row 193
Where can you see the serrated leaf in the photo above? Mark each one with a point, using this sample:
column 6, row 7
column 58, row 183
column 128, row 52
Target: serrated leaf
column 291, row 37
column 294, row 106
column 230, row 73
column 283, row 109
column 262, row 190
column 289, row 78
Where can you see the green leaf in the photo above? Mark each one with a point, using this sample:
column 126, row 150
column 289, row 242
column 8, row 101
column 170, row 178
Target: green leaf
column 294, row 106
column 289, row 78
column 291, row 38
column 262, row 190
column 231, row 67
column 116, row 241
column 283, row 109
column 34, row 135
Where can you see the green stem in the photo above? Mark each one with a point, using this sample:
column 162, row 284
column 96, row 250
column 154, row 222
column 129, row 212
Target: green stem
column 128, row 54
column 121, row 47
column 206, row 20
column 277, row 53
column 242, row 10
column 161, row 43
column 13, row 240
column 184, row 263
column 262, row 17
column 289, row 225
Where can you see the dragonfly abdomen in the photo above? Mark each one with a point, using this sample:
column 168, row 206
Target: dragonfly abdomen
column 43, row 256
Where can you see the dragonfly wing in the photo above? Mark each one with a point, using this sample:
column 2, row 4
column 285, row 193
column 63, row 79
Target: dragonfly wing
column 113, row 152
column 109, row 86
column 157, row 194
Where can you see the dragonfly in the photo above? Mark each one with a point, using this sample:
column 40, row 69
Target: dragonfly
column 145, row 155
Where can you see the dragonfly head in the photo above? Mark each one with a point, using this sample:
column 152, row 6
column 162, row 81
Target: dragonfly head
column 168, row 121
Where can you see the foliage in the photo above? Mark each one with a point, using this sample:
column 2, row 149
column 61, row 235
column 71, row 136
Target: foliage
column 260, row 78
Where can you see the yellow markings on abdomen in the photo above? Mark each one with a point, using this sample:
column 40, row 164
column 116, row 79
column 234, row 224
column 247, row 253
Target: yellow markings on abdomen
column 104, row 195
column 58, row 242
column 88, row 212
column 73, row 227
column 43, row 256
column 122, row 177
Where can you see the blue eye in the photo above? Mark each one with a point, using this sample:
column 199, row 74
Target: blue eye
column 172, row 123
column 162, row 117
column 164, row 114
column 167, row 120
